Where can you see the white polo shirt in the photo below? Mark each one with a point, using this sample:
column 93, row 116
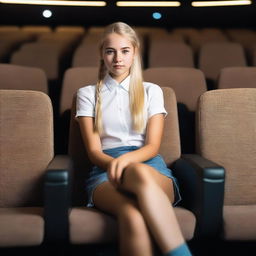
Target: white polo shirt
column 116, row 115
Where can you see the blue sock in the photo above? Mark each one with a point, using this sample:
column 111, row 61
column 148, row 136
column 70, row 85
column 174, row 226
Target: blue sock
column 181, row 250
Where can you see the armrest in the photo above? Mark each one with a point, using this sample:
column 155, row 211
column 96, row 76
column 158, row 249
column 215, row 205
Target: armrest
column 202, row 189
column 57, row 199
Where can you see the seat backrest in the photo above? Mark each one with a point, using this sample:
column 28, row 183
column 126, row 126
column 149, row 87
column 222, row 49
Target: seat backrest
column 206, row 36
column 23, row 78
column 36, row 30
column 188, row 84
column 73, row 29
column 215, row 56
column 244, row 36
column 170, row 147
column 75, row 78
column 26, row 146
column 237, row 77
column 164, row 53
column 226, row 135
column 40, row 55
column 86, row 55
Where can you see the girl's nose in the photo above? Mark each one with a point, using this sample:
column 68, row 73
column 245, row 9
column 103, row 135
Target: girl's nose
column 118, row 57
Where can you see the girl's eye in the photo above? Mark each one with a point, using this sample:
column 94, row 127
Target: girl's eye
column 125, row 51
column 108, row 52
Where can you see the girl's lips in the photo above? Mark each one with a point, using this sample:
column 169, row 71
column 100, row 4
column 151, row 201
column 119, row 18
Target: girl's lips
column 118, row 66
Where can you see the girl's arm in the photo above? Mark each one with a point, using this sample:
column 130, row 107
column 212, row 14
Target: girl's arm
column 115, row 166
column 153, row 139
column 92, row 143
column 154, row 134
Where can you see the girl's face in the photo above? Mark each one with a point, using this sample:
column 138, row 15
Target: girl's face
column 118, row 54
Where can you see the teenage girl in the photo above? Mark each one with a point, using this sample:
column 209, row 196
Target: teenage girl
column 121, row 120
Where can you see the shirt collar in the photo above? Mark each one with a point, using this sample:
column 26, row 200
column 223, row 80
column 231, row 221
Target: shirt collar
column 112, row 83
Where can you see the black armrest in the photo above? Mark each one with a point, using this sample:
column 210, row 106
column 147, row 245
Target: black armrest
column 202, row 189
column 57, row 199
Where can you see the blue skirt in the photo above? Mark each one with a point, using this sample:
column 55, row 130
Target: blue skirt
column 97, row 176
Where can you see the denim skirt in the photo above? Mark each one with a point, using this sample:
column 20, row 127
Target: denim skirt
column 97, row 176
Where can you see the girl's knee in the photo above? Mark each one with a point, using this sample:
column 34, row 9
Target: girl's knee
column 138, row 173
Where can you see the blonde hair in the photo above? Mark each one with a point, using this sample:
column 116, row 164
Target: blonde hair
column 136, row 88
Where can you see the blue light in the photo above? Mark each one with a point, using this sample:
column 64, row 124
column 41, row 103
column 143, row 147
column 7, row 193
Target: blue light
column 157, row 15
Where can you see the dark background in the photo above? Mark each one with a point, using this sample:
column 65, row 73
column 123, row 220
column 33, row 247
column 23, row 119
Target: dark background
column 183, row 16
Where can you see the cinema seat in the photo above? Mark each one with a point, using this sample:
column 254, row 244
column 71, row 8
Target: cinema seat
column 29, row 169
column 237, row 77
column 22, row 78
column 74, row 78
column 90, row 227
column 188, row 84
column 163, row 53
column 10, row 41
column 204, row 36
column 226, row 135
column 215, row 56
column 36, row 30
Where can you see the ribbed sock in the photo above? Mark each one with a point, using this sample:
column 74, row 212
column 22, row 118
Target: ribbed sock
column 181, row 250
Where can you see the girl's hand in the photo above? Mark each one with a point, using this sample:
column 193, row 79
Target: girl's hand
column 115, row 170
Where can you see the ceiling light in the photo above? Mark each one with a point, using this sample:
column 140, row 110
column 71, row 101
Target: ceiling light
column 219, row 3
column 157, row 15
column 47, row 14
column 148, row 3
column 65, row 3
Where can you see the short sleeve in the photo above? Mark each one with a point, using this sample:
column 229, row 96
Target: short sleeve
column 155, row 100
column 85, row 102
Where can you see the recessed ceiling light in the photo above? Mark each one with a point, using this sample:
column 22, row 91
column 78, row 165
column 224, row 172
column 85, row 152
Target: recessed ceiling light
column 50, row 2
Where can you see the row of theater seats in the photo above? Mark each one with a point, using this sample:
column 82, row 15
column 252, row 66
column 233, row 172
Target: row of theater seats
column 217, row 183
column 187, row 83
column 56, row 50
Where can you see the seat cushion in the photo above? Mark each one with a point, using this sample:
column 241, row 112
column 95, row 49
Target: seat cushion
column 239, row 222
column 187, row 222
column 88, row 226
column 23, row 226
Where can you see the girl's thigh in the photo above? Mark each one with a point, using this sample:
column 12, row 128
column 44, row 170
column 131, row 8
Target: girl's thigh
column 108, row 199
column 140, row 171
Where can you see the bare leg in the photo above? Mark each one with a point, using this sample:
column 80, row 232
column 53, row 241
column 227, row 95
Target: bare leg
column 133, row 233
column 154, row 192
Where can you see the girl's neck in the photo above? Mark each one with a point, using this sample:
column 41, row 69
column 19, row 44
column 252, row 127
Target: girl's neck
column 119, row 79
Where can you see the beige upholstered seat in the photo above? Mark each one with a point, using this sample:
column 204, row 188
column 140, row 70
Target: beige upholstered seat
column 165, row 53
column 73, row 79
column 26, row 149
column 44, row 55
column 87, row 53
column 204, row 36
column 237, row 77
column 52, row 53
column 72, row 29
column 215, row 56
column 188, row 84
column 244, row 36
column 89, row 226
column 36, row 30
column 10, row 41
column 22, row 78
column 227, row 136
